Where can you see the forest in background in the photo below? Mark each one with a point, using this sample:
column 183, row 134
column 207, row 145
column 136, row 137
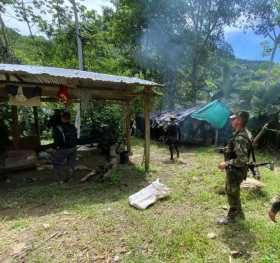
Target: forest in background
column 180, row 44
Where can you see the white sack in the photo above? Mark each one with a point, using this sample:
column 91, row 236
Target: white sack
column 149, row 195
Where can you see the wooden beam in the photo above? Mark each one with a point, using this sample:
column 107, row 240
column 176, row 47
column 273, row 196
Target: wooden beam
column 147, row 129
column 18, row 77
column 37, row 124
column 15, row 131
column 50, row 90
column 55, row 85
column 24, row 83
column 119, row 100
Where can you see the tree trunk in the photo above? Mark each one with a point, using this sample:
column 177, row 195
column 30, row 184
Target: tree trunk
column 25, row 18
column 78, row 36
column 194, row 81
column 275, row 46
column 269, row 77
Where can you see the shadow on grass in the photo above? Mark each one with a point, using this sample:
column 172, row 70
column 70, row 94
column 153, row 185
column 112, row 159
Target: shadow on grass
column 257, row 194
column 46, row 196
column 238, row 237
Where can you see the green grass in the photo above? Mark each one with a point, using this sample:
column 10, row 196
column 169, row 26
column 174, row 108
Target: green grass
column 95, row 223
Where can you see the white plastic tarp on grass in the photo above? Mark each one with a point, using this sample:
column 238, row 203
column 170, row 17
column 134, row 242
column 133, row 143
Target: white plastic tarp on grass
column 149, row 195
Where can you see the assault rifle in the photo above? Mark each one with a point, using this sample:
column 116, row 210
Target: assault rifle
column 254, row 166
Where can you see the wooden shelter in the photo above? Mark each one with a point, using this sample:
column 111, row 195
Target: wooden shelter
column 81, row 85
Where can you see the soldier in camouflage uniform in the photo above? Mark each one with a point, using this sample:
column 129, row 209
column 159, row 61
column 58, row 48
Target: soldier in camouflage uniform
column 237, row 154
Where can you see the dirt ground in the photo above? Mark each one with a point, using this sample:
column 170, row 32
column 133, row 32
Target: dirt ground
column 44, row 221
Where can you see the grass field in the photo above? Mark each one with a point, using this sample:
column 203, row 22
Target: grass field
column 44, row 221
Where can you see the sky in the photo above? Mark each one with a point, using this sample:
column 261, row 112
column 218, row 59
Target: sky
column 245, row 45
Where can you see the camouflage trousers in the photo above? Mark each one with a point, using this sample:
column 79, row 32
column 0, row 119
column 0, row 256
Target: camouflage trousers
column 234, row 178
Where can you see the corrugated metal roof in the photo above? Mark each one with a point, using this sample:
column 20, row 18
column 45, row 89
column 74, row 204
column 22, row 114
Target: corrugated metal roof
column 70, row 77
column 163, row 118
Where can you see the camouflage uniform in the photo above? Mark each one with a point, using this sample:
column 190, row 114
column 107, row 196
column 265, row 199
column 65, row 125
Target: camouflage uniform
column 237, row 155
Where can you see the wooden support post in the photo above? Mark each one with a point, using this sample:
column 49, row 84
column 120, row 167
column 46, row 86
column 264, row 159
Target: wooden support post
column 37, row 124
column 216, row 137
column 15, row 132
column 147, row 129
column 127, row 126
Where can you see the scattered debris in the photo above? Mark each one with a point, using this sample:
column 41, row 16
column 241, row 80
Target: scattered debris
column 239, row 253
column 20, row 160
column 82, row 168
column 251, row 183
column 44, row 156
column 87, row 148
column 19, row 248
column 99, row 257
column 100, row 173
column 212, row 235
column 116, row 259
column 149, row 195
column 66, row 213
column 46, row 226
column 45, row 167
column 85, row 178
column 30, row 249
column 235, row 253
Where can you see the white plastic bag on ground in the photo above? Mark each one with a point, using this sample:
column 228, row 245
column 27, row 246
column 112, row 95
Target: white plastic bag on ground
column 149, row 195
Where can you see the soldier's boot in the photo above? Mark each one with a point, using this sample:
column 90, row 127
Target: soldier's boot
column 240, row 214
column 233, row 215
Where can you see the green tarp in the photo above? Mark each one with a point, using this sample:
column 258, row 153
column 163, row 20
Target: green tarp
column 216, row 113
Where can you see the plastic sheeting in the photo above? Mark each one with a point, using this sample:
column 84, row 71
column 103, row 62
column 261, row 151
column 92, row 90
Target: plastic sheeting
column 216, row 113
column 149, row 195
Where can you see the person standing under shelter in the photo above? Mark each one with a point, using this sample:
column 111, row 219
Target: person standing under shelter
column 4, row 142
column 237, row 154
column 173, row 137
column 65, row 142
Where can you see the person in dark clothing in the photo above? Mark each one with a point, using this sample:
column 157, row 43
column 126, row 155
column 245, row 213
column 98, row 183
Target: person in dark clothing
column 65, row 141
column 173, row 137
column 4, row 142
column 55, row 119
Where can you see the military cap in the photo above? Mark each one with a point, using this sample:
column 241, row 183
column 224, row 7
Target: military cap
column 243, row 115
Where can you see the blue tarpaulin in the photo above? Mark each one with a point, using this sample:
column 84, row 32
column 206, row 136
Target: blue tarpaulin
column 216, row 113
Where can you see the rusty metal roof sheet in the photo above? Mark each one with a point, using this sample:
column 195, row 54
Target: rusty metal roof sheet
column 70, row 77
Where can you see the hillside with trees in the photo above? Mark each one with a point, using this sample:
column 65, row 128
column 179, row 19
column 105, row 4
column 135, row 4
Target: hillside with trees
column 154, row 40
